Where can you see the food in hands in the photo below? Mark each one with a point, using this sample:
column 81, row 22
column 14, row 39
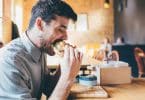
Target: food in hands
column 59, row 47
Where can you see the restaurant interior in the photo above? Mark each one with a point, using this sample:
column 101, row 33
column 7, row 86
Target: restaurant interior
column 121, row 68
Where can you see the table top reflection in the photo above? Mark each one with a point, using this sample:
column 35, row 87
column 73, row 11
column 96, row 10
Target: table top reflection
column 132, row 91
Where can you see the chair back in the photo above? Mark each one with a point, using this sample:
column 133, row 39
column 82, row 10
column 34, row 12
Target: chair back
column 114, row 55
column 100, row 55
column 140, row 59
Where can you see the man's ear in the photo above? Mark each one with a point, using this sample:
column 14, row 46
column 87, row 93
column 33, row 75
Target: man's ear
column 39, row 23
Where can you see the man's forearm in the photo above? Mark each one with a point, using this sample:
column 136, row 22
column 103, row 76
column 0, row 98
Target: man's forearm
column 50, row 82
column 61, row 90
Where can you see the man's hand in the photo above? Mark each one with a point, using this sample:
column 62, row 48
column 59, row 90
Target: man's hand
column 70, row 66
column 70, row 63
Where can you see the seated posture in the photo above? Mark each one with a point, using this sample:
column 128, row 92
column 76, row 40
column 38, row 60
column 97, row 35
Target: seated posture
column 120, row 41
column 23, row 71
column 106, row 45
column 105, row 50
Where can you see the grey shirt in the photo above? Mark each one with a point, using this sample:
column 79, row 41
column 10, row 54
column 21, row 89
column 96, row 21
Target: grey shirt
column 21, row 70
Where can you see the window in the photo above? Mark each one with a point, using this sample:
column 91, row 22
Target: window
column 82, row 22
column 81, row 25
column 1, row 13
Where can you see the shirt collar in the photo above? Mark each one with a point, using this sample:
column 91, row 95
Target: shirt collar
column 30, row 47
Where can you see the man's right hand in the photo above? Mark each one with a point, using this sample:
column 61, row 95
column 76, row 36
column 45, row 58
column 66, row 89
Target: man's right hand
column 70, row 63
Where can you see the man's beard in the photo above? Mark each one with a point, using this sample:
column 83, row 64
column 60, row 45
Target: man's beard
column 48, row 49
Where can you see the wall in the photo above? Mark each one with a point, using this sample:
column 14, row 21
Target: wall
column 100, row 21
column 130, row 22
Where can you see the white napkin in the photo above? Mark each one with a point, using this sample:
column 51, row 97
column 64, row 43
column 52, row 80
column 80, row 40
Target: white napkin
column 113, row 64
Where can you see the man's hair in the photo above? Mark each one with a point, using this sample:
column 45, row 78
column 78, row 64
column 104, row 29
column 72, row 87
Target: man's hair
column 49, row 9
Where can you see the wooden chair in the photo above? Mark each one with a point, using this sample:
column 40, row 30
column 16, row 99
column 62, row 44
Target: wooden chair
column 140, row 59
column 114, row 55
column 100, row 55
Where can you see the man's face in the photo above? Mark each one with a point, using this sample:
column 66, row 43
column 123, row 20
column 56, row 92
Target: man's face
column 53, row 32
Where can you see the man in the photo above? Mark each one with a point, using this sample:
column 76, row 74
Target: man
column 23, row 73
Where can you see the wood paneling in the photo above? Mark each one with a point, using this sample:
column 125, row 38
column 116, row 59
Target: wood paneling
column 6, row 21
column 100, row 21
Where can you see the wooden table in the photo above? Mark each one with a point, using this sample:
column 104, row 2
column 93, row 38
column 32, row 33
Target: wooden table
column 133, row 91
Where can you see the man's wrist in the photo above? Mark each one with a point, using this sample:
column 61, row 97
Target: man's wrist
column 66, row 78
